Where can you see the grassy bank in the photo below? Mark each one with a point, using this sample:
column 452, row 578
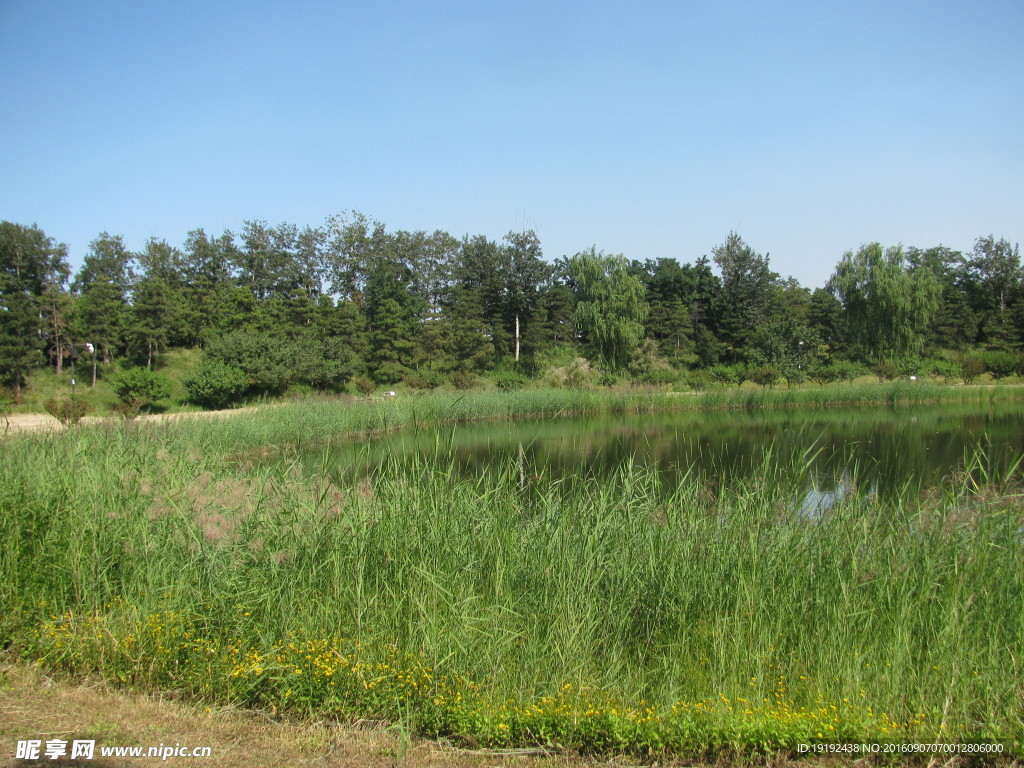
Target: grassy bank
column 616, row 615
column 318, row 418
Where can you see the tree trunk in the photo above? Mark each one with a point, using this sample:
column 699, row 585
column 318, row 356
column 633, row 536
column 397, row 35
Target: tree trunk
column 149, row 354
column 93, row 384
column 517, row 337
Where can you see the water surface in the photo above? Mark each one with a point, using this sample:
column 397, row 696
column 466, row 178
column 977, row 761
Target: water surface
column 884, row 448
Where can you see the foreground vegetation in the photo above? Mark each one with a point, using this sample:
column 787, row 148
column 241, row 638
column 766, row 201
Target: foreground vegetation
column 615, row 615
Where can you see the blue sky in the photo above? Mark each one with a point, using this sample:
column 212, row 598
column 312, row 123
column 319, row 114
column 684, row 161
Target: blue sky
column 648, row 129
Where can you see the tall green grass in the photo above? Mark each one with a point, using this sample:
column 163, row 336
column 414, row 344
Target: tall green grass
column 707, row 617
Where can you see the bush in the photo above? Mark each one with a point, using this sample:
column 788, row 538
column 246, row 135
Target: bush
column 140, row 388
column 847, row 370
column 509, row 380
column 885, row 371
column 764, row 376
column 363, row 384
column 971, row 367
column 424, row 379
column 822, row 374
column 944, row 369
column 1001, row 363
column 462, row 380
column 216, row 385
column 6, row 401
column 911, row 366
column 730, row 374
column 698, row 380
column 68, row 410
column 298, row 391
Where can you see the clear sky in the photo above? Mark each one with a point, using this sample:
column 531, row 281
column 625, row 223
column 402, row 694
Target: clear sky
column 648, row 129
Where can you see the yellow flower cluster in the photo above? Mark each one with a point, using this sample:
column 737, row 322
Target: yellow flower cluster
column 348, row 679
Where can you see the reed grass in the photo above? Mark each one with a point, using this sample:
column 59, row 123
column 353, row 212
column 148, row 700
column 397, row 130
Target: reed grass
column 706, row 618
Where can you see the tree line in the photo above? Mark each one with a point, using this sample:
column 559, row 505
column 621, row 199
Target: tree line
column 350, row 303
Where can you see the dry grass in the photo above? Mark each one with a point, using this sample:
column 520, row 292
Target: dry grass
column 35, row 705
column 40, row 706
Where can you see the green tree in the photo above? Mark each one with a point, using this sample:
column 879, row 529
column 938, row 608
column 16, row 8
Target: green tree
column 992, row 279
column 748, row 288
column 31, row 264
column 524, row 271
column 102, row 286
column 888, row 308
column 392, row 313
column 207, row 279
column 610, row 305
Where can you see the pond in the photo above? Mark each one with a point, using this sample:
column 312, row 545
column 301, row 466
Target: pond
column 878, row 450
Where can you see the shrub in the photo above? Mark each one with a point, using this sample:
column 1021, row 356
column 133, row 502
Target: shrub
column 698, row 380
column 68, row 410
column 1001, row 363
column 363, row 384
column 847, row 370
column 764, row 376
column 424, row 379
column 885, row 371
column 6, row 401
column 577, row 374
column 216, row 384
column 298, row 391
column 462, row 379
column 971, row 367
column 509, row 380
column 944, row 369
column 822, row 374
column 911, row 366
column 140, row 388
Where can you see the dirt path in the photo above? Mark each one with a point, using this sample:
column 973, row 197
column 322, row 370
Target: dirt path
column 43, row 422
column 38, row 706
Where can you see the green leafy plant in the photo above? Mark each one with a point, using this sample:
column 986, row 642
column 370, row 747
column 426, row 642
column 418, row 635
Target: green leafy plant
column 6, row 402
column 764, row 376
column 216, row 385
column 68, row 410
column 971, row 367
column 140, row 388
column 885, row 371
column 462, row 380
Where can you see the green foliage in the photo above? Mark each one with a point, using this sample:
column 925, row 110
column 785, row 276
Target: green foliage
column 704, row 582
column 68, row 410
column 885, row 371
column 888, row 306
column 425, row 379
column 723, row 374
column 1001, row 363
column 647, row 366
column 610, row 306
column 946, row 370
column 363, row 384
column 764, row 375
column 216, row 384
column 822, row 374
column 509, row 380
column 698, row 380
column 6, row 402
column 270, row 362
column 462, row 379
column 971, row 367
column 847, row 370
column 140, row 388
column 748, row 288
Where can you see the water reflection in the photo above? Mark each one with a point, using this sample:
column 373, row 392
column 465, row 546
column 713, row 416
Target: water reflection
column 844, row 451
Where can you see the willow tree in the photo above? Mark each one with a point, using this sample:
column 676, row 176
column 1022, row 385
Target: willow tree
column 610, row 305
column 888, row 305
